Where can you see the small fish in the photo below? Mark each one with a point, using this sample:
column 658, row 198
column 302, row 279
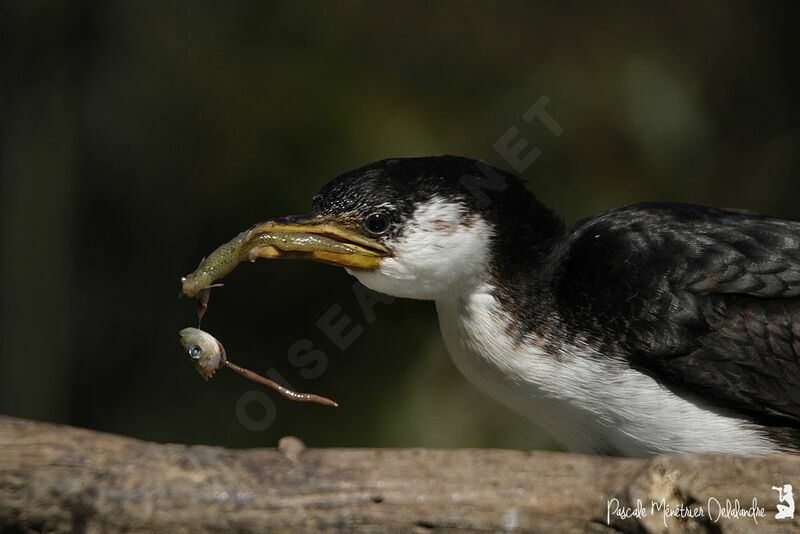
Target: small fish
column 209, row 355
column 245, row 247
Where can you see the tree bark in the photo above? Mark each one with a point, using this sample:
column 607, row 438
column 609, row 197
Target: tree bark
column 61, row 479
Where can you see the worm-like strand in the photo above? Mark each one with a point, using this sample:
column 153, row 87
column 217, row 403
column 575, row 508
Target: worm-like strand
column 287, row 393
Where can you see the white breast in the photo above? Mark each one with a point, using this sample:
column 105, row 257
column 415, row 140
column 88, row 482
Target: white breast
column 589, row 402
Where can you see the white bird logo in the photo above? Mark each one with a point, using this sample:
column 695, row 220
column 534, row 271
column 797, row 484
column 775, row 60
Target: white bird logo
column 785, row 511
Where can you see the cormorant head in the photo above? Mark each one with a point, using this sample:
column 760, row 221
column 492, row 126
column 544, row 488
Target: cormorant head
column 425, row 227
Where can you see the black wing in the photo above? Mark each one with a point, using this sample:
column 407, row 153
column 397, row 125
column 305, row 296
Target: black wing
column 707, row 299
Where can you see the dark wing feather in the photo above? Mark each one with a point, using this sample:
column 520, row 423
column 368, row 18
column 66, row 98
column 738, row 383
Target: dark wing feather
column 706, row 299
column 748, row 359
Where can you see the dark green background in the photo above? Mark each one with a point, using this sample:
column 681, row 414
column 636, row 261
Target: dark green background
column 137, row 136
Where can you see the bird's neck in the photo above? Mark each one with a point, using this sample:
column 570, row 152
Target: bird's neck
column 528, row 248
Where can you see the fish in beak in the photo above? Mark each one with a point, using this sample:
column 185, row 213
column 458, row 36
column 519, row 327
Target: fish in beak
column 321, row 238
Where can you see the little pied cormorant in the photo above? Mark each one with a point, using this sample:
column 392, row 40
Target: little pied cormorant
column 648, row 329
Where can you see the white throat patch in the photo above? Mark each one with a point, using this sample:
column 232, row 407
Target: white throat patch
column 442, row 249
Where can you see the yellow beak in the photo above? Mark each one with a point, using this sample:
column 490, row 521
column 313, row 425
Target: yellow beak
column 320, row 238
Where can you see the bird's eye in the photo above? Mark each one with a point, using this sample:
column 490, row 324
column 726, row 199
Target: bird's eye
column 377, row 223
column 195, row 351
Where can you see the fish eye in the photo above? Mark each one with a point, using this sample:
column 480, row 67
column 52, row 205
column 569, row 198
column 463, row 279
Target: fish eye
column 377, row 223
column 195, row 351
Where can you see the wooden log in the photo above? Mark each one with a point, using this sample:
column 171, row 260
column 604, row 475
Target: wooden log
column 61, row 479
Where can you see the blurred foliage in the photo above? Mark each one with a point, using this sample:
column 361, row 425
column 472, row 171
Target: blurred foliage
column 137, row 136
